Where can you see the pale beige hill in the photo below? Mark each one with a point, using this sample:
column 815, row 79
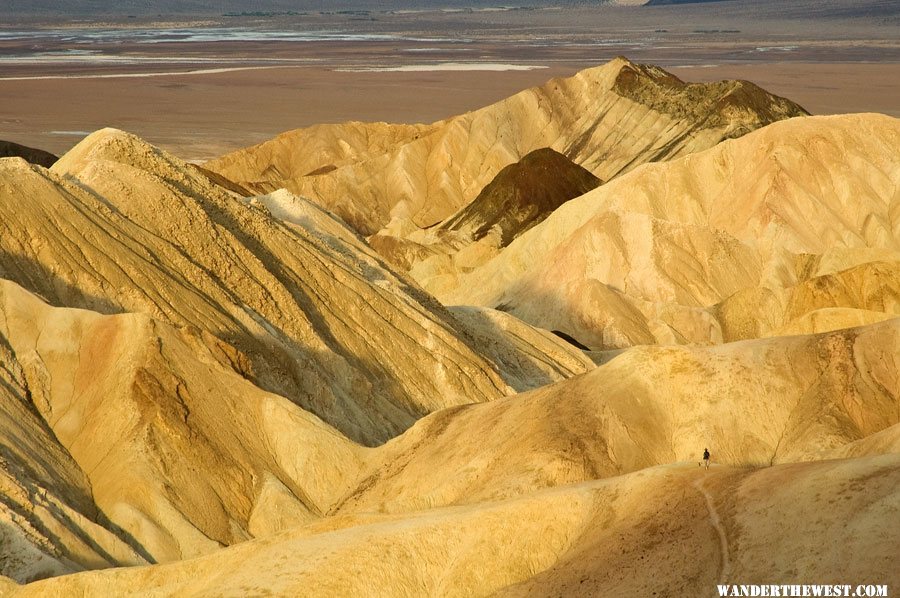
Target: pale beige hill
column 608, row 119
column 752, row 403
column 647, row 257
column 140, row 232
column 130, row 440
column 780, row 525
column 672, row 530
column 49, row 523
column 314, row 314
column 138, row 428
column 527, row 357
column 884, row 442
column 148, row 441
column 312, row 151
column 861, row 294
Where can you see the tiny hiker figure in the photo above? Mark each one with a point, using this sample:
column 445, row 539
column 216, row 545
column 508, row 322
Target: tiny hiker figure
column 706, row 458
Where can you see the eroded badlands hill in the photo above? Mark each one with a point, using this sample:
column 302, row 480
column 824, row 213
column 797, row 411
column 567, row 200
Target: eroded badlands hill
column 143, row 427
column 608, row 119
column 758, row 402
column 794, row 227
column 675, row 526
column 312, row 312
column 129, row 441
column 207, row 392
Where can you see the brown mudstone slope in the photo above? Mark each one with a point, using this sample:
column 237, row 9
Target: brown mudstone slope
column 9, row 149
column 522, row 195
column 519, row 197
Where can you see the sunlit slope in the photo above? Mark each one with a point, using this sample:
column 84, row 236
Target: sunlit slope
column 746, row 239
column 669, row 529
column 753, row 403
column 608, row 119
column 139, row 428
column 312, row 312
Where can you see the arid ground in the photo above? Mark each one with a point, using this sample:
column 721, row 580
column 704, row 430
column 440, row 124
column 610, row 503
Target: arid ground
column 449, row 302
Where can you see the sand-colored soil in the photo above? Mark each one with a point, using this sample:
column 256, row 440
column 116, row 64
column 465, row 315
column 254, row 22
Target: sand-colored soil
column 209, row 393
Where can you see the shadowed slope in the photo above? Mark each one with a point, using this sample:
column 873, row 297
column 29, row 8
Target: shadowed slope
column 754, row 403
column 180, row 454
column 120, row 226
column 522, row 195
column 49, row 523
column 8, row 149
column 314, row 313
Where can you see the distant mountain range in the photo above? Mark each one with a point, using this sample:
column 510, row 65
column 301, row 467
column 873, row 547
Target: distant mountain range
column 137, row 8
column 124, row 8
column 664, row 2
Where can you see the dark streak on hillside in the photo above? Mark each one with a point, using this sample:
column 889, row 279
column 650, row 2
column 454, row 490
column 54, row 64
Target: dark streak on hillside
column 523, row 194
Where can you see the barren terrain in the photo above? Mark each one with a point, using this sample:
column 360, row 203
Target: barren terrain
column 418, row 301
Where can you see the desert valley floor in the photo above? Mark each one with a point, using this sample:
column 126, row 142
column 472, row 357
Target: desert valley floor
column 475, row 350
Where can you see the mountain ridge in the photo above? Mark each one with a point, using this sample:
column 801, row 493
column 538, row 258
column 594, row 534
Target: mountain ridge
column 683, row 236
column 582, row 117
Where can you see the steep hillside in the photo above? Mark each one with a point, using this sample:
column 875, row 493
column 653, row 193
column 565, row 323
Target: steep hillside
column 127, row 441
column 127, row 404
column 140, row 445
column 118, row 225
column 607, row 119
column 719, row 245
column 754, row 403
